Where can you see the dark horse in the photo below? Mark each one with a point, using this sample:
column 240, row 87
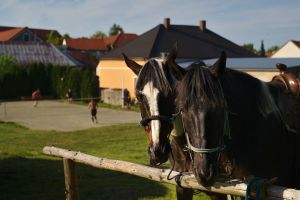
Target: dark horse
column 155, row 92
column 239, row 124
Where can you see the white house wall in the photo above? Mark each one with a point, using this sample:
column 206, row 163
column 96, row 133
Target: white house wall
column 289, row 50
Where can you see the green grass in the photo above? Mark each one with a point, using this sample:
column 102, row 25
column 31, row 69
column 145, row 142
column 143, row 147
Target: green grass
column 25, row 173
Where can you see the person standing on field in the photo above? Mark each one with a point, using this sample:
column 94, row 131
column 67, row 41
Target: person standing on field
column 36, row 95
column 93, row 105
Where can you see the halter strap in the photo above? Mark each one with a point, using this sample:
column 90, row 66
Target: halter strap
column 146, row 120
column 168, row 119
column 189, row 146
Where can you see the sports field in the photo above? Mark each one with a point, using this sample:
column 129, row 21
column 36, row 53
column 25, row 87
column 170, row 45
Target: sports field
column 61, row 116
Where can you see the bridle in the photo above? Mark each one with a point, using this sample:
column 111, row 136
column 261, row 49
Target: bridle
column 192, row 149
column 146, row 120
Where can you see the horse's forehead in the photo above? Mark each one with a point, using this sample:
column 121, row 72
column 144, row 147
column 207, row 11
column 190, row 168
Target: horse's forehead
column 150, row 91
column 154, row 63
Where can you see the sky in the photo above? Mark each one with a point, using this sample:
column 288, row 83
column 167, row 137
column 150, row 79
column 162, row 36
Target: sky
column 241, row 21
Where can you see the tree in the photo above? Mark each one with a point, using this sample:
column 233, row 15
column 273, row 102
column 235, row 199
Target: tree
column 55, row 38
column 273, row 48
column 250, row 47
column 262, row 51
column 66, row 36
column 115, row 29
column 98, row 34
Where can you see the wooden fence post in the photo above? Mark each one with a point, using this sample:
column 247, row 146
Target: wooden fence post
column 70, row 180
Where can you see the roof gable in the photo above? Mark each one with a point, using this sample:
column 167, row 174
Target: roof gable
column 192, row 43
column 7, row 35
column 139, row 47
column 6, row 31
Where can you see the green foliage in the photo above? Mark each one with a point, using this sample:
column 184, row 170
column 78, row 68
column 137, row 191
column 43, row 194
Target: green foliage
column 262, row 51
column 115, row 29
column 11, row 74
column 66, row 36
column 98, row 34
column 52, row 80
column 8, row 66
column 273, row 49
column 250, row 47
column 55, row 38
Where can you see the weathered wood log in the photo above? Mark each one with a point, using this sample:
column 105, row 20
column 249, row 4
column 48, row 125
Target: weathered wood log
column 188, row 180
column 71, row 183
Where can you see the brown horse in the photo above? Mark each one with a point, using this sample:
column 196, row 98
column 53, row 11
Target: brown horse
column 230, row 116
column 155, row 92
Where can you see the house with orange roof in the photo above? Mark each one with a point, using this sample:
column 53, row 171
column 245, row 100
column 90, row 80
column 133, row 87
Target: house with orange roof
column 23, row 34
column 87, row 50
column 98, row 46
column 119, row 40
column 27, row 46
column 290, row 49
column 95, row 46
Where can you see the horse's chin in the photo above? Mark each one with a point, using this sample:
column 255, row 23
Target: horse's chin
column 154, row 161
column 207, row 179
column 159, row 154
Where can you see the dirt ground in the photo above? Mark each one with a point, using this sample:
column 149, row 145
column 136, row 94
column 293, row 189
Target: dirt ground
column 61, row 116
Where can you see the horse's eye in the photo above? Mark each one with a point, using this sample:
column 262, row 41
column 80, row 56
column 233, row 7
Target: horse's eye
column 139, row 96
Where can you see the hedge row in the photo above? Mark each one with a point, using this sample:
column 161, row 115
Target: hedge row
column 53, row 81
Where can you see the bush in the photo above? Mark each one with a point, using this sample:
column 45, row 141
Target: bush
column 52, row 80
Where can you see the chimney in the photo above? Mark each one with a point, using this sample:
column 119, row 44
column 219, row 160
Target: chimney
column 202, row 25
column 167, row 22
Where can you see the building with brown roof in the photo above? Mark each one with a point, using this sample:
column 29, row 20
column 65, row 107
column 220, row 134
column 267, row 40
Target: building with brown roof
column 119, row 40
column 87, row 50
column 23, row 34
column 290, row 49
column 194, row 42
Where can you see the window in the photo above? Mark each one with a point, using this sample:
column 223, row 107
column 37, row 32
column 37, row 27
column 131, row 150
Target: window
column 25, row 37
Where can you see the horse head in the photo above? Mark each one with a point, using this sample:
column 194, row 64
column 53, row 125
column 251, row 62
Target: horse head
column 201, row 101
column 155, row 93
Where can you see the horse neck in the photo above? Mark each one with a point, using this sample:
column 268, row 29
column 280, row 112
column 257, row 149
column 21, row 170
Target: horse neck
column 248, row 95
column 249, row 101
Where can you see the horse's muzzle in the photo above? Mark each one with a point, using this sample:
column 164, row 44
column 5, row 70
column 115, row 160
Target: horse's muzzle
column 205, row 176
column 159, row 154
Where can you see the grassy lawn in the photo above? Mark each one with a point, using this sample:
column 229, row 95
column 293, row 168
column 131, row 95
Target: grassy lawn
column 25, row 173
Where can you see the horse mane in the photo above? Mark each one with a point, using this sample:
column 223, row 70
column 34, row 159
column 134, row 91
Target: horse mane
column 153, row 71
column 200, row 87
column 254, row 90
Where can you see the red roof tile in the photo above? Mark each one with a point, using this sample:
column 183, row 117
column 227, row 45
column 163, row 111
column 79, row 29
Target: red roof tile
column 86, row 44
column 119, row 40
column 8, row 30
column 6, row 35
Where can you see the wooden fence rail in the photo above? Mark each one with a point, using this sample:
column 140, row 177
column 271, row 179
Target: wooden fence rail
column 160, row 175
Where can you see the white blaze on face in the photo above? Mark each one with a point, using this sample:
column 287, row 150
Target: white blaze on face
column 151, row 94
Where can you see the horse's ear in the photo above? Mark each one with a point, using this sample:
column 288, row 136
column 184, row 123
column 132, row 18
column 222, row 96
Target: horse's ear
column 177, row 71
column 220, row 65
column 132, row 64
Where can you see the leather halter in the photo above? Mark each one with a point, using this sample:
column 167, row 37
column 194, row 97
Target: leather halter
column 145, row 121
column 190, row 148
column 289, row 80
